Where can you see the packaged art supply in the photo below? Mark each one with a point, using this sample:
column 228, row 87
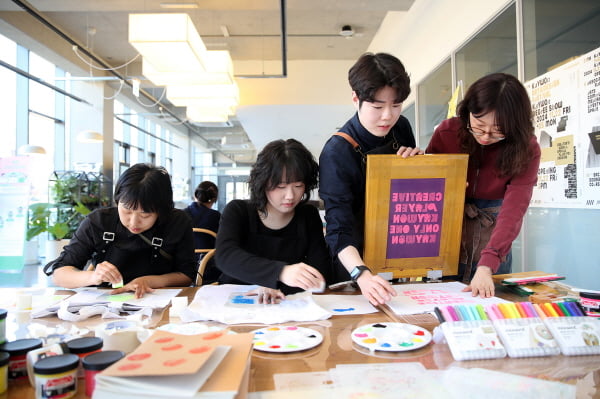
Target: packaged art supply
column 590, row 302
column 4, row 357
column 2, row 326
column 473, row 339
column 40, row 353
column 56, row 377
column 83, row 347
column 526, row 337
column 18, row 349
column 95, row 363
column 575, row 335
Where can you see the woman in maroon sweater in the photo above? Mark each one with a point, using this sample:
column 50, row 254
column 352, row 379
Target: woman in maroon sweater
column 494, row 126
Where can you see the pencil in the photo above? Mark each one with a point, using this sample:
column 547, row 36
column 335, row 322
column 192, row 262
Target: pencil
column 539, row 310
column 557, row 309
column 453, row 313
column 481, row 312
column 529, row 309
column 520, row 310
column 549, row 309
column 439, row 315
column 505, row 312
column 565, row 309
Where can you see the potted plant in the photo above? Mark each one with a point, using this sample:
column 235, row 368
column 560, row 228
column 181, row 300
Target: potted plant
column 74, row 195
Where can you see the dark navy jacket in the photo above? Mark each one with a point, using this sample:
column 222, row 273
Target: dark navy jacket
column 342, row 181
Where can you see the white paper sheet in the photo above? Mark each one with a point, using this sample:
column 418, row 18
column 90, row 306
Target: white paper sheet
column 213, row 302
column 344, row 304
column 423, row 298
column 88, row 302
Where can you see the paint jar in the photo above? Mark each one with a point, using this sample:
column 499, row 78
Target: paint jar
column 95, row 363
column 590, row 302
column 40, row 353
column 18, row 349
column 4, row 358
column 83, row 347
column 56, row 376
column 3, row 313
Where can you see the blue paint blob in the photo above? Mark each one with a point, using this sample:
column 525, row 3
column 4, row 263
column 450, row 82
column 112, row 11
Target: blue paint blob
column 386, row 345
column 241, row 299
column 343, row 310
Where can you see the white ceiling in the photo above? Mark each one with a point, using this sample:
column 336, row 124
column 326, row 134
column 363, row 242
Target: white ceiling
column 254, row 29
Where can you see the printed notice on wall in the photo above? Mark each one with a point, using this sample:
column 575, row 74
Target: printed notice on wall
column 566, row 109
column 415, row 218
column 14, row 197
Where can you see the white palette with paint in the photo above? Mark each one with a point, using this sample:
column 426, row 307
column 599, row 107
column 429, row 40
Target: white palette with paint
column 391, row 337
column 286, row 339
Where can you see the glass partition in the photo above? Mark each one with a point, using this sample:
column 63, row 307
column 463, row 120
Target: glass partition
column 433, row 96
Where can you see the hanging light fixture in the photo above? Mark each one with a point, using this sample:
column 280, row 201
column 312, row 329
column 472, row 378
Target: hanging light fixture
column 169, row 42
column 29, row 149
column 219, row 70
column 207, row 114
column 212, row 94
column 90, row 136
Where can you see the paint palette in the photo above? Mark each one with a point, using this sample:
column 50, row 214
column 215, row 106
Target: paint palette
column 391, row 337
column 286, row 339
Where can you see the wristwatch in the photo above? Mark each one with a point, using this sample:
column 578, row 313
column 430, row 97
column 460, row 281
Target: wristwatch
column 357, row 271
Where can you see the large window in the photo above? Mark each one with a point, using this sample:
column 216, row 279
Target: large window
column 8, row 105
column 555, row 30
column 433, row 96
column 494, row 49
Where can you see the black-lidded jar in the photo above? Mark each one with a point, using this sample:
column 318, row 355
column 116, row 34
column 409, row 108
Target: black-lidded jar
column 18, row 349
column 56, row 376
column 95, row 363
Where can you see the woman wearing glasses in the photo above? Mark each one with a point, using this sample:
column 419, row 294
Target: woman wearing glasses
column 494, row 126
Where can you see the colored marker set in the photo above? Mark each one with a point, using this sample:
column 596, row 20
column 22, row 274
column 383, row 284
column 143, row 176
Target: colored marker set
column 469, row 332
column 525, row 329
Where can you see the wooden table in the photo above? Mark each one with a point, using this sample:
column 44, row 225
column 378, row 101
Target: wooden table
column 338, row 348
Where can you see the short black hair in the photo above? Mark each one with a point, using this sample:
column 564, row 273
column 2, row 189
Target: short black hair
column 147, row 187
column 206, row 191
column 278, row 158
column 372, row 72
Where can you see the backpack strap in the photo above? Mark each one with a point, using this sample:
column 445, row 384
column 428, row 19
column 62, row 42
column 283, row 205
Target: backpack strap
column 156, row 243
column 353, row 143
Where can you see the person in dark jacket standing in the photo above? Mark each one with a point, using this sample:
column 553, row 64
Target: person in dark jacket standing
column 379, row 85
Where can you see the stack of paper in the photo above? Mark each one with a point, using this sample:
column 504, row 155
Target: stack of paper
column 90, row 301
column 168, row 365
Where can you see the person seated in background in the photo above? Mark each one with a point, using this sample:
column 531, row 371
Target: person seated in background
column 203, row 216
column 275, row 239
column 494, row 126
column 143, row 242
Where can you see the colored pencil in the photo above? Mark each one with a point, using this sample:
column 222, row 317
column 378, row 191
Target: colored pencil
column 529, row 309
column 504, row 310
column 557, row 309
column 453, row 313
column 490, row 313
column 549, row 309
column 473, row 312
column 574, row 308
column 540, row 312
column 522, row 313
column 481, row 312
column 446, row 314
column 439, row 315
column 565, row 309
column 463, row 312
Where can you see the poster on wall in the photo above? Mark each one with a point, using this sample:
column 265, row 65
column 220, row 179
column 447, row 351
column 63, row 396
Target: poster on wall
column 14, row 197
column 566, row 110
